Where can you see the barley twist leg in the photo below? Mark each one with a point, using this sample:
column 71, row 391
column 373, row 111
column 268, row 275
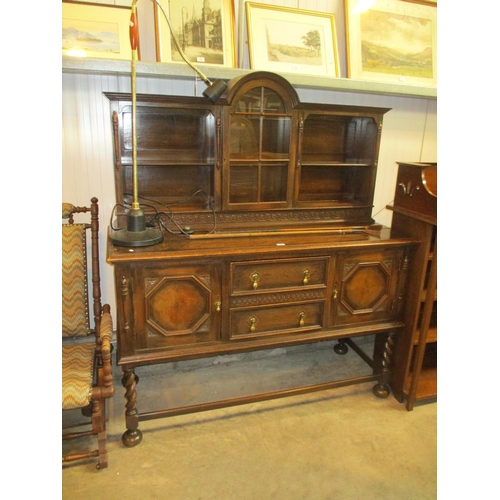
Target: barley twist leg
column 382, row 389
column 132, row 436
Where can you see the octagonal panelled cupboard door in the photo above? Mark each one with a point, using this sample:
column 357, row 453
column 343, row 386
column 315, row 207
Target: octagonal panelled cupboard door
column 366, row 286
column 176, row 305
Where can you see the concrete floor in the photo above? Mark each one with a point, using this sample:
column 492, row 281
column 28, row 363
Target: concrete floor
column 337, row 444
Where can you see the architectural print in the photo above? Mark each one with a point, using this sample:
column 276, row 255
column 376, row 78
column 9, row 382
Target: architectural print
column 198, row 28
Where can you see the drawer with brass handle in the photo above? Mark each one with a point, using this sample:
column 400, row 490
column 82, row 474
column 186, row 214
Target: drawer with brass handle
column 272, row 275
column 257, row 322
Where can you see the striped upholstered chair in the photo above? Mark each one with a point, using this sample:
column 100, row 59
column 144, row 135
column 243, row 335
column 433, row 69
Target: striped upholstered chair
column 87, row 378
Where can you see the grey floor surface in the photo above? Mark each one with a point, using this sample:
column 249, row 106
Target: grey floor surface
column 342, row 443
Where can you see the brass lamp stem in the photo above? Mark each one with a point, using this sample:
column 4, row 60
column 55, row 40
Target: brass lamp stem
column 133, row 42
column 137, row 233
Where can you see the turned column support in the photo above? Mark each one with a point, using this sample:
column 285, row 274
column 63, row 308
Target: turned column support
column 132, row 436
column 382, row 389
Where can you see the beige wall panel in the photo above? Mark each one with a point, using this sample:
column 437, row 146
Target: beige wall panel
column 429, row 149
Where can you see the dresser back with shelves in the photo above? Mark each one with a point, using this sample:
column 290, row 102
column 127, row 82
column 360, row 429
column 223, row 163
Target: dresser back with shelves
column 256, row 159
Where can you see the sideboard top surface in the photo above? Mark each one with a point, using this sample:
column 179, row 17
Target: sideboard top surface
column 246, row 244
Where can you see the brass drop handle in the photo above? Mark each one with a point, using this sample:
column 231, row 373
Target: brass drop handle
column 408, row 189
column 335, row 293
column 302, row 316
column 306, row 273
column 255, row 277
column 252, row 322
column 218, row 304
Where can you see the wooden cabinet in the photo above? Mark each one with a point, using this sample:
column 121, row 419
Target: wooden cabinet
column 266, row 207
column 415, row 214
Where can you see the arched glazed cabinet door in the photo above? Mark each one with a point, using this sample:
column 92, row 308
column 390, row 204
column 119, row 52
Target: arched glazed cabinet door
column 259, row 159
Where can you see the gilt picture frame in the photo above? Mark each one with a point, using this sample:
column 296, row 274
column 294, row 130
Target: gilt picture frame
column 204, row 37
column 96, row 30
column 392, row 41
column 282, row 39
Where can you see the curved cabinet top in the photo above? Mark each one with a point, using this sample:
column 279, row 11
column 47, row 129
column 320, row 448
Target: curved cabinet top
column 237, row 87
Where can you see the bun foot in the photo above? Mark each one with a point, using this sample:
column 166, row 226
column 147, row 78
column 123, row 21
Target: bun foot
column 381, row 391
column 341, row 347
column 131, row 437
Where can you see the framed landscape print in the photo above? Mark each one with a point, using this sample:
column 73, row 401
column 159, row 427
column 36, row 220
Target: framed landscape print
column 95, row 30
column 204, row 31
column 292, row 40
column 392, row 41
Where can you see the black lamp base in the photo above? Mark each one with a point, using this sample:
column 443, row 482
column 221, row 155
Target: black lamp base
column 125, row 238
column 136, row 234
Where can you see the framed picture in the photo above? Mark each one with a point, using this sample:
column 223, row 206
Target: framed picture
column 204, row 31
column 292, row 40
column 95, row 30
column 392, row 41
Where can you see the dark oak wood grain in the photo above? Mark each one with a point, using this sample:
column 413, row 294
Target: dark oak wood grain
column 415, row 214
column 270, row 242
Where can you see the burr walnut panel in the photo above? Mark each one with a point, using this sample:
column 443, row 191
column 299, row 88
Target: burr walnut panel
column 367, row 287
column 177, row 305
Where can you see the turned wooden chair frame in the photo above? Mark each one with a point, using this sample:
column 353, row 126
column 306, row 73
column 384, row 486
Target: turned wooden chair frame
column 102, row 377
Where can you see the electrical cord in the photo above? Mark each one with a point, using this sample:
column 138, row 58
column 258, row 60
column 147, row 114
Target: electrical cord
column 111, row 216
column 157, row 218
column 127, row 206
column 383, row 208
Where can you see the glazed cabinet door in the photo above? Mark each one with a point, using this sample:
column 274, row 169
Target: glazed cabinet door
column 367, row 287
column 169, row 306
column 259, row 154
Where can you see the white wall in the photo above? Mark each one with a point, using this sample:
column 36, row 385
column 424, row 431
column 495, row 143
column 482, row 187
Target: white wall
column 409, row 132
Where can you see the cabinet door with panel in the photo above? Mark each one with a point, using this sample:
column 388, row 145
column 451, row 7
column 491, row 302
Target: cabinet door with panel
column 172, row 306
column 367, row 286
